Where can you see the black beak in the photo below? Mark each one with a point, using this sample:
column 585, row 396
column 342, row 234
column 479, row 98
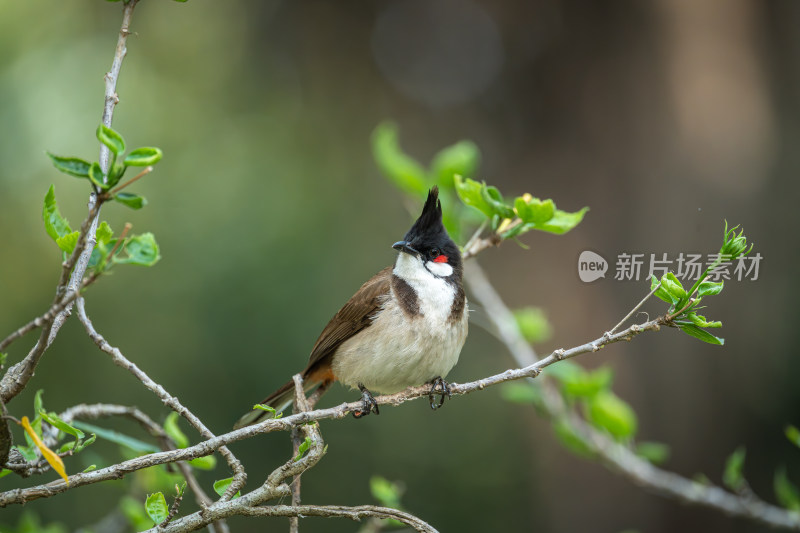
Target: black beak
column 403, row 246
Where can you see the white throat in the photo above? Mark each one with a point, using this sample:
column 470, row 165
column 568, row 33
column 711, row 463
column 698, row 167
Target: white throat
column 435, row 294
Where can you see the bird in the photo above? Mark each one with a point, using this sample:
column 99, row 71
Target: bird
column 404, row 327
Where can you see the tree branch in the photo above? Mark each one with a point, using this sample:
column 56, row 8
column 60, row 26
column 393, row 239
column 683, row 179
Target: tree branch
column 74, row 268
column 239, row 475
column 354, row 513
column 616, row 456
column 104, row 410
column 286, row 423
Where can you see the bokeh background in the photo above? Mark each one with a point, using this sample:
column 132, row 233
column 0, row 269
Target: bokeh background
column 664, row 117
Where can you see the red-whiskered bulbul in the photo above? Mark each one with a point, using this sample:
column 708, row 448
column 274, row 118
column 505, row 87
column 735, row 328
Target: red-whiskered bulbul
column 404, row 327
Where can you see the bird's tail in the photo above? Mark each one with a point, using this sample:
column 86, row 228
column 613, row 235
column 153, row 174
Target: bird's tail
column 278, row 400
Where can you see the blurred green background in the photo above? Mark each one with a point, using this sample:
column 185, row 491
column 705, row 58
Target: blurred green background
column 665, row 117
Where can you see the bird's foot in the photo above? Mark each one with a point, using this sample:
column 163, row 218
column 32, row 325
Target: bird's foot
column 441, row 388
column 368, row 403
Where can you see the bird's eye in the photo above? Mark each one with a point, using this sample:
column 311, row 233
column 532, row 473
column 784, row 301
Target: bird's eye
column 434, row 253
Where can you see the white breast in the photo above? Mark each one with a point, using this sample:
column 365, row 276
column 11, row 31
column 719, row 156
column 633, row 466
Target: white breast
column 398, row 350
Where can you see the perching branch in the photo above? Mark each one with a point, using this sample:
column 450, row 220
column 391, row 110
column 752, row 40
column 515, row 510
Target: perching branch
column 286, row 423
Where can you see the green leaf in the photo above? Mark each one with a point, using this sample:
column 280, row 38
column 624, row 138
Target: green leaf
column 492, row 197
column 561, row 222
column 207, row 462
column 140, row 250
column 303, row 448
column 134, row 201
column 38, row 402
column 785, row 491
column 55, row 225
column 588, row 384
column 793, row 434
column 533, row 210
column 68, row 242
column 77, row 446
column 131, row 443
column 701, row 334
column 110, row 138
column 53, row 419
column 654, row 452
column 82, row 445
column 97, row 177
column 385, row 492
column 662, row 292
column 156, row 507
column 70, row 165
column 174, row 432
column 461, row 158
column 673, row 286
column 4, row 472
column 471, row 193
column 606, row 410
column 142, row 157
column 89, row 468
column 709, row 288
column 3, row 358
column 104, row 233
column 220, row 486
column 520, row 392
column 732, row 476
column 564, row 371
column 115, row 174
column 132, row 510
column 269, row 409
column 406, row 173
column 701, row 322
column 733, row 245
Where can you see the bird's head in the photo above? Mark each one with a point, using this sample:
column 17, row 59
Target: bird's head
column 427, row 248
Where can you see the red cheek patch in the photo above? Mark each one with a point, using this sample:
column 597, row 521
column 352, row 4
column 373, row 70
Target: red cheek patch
column 440, row 259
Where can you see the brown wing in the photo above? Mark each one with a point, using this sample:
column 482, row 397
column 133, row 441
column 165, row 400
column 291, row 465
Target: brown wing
column 356, row 315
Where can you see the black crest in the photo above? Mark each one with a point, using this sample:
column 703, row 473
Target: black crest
column 429, row 224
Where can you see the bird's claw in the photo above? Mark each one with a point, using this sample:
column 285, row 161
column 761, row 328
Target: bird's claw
column 441, row 388
column 368, row 403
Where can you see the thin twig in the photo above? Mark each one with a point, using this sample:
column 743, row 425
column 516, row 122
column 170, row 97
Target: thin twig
column 475, row 236
column 239, row 475
column 638, row 306
column 354, row 513
column 140, row 175
column 40, row 321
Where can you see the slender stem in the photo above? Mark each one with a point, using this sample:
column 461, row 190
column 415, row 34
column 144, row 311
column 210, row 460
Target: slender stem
column 239, row 475
column 638, row 306
column 138, row 176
